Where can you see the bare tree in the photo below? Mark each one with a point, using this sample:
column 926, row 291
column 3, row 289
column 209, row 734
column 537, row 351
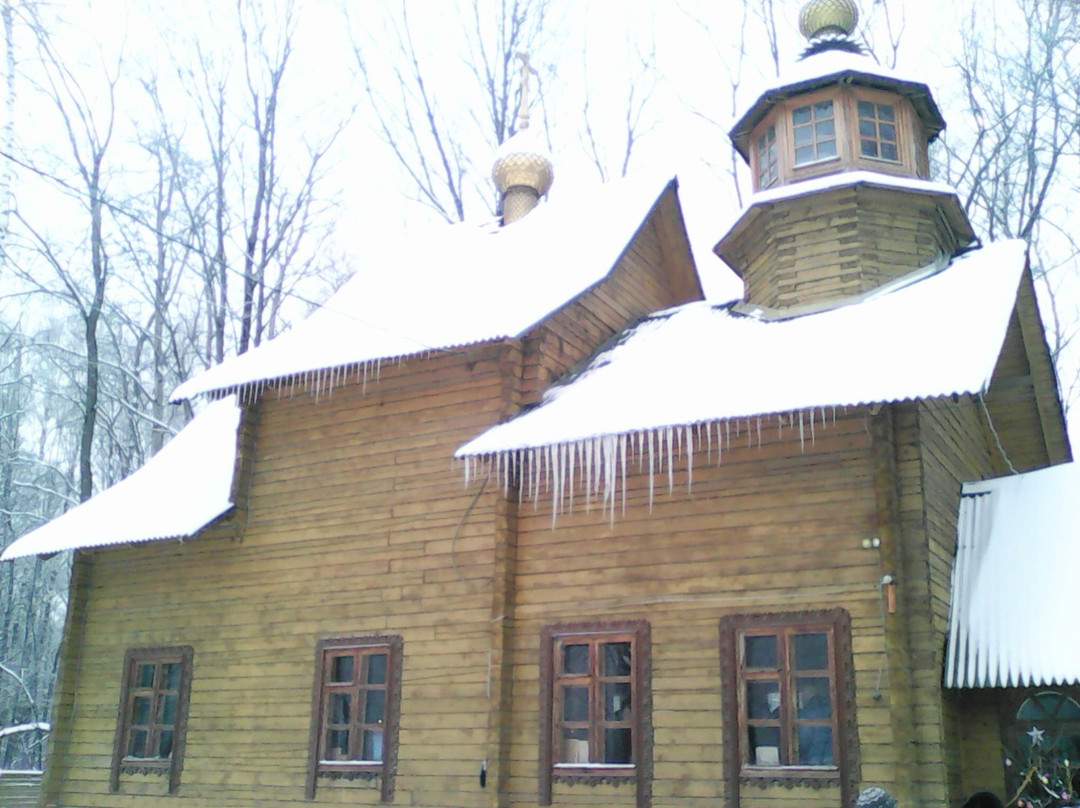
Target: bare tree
column 1017, row 158
column 431, row 146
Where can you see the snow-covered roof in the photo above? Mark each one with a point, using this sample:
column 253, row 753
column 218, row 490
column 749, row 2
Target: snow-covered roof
column 454, row 286
column 179, row 490
column 1013, row 616
column 935, row 334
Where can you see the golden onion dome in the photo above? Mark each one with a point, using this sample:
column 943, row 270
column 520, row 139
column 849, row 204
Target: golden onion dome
column 828, row 17
column 522, row 160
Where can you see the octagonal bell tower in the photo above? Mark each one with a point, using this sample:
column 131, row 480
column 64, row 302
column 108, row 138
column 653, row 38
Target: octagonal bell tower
column 838, row 153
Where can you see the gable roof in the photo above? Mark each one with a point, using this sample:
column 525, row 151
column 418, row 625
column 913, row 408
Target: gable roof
column 1012, row 620
column 180, row 490
column 932, row 334
column 455, row 286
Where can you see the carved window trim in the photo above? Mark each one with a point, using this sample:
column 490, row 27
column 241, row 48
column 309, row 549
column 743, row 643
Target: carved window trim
column 638, row 632
column 736, row 772
column 130, row 690
column 385, row 770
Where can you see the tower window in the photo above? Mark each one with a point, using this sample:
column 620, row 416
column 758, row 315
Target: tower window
column 877, row 131
column 814, row 129
column 767, row 167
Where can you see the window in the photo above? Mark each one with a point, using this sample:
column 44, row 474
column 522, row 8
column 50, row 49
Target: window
column 357, row 694
column 1041, row 728
column 788, row 699
column 767, row 168
column 877, row 131
column 152, row 716
column 595, row 722
column 814, row 131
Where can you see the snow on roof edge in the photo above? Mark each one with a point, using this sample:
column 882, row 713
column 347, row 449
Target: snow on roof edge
column 175, row 494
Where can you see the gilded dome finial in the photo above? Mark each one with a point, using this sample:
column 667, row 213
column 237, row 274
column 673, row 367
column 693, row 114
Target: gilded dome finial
column 821, row 18
column 522, row 170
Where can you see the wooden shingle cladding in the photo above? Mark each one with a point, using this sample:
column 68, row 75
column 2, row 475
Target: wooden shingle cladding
column 770, row 529
column 840, row 242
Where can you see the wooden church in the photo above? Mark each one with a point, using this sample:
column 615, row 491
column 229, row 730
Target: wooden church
column 520, row 519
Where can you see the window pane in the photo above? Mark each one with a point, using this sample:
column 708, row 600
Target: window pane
column 866, row 109
column 1069, row 709
column 765, row 746
column 373, row 745
column 804, row 154
column 760, row 651
column 867, row 128
column 617, row 701
column 888, row 151
column 575, row 746
column 815, row 746
column 137, row 743
column 165, row 744
column 812, row 697
column 762, row 699
column 811, row 652
column 868, row 148
column 374, row 706
column 800, row 115
column 168, row 709
column 341, row 669
column 376, row 669
column 887, row 131
column 616, row 659
column 575, row 703
column 172, row 675
column 618, row 745
column 140, row 710
column 885, row 112
column 145, row 675
column 802, row 135
column 340, row 708
column 761, row 143
column 575, row 659
column 825, row 129
column 826, row 148
column 823, row 109
column 337, row 742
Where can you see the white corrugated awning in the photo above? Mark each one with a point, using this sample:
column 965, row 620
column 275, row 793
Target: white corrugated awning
column 181, row 489
column 1012, row 621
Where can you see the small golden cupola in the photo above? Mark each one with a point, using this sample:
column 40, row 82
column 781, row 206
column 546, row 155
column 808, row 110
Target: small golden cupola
column 522, row 171
column 858, row 133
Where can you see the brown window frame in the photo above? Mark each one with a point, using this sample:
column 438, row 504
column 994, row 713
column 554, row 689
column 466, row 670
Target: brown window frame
column 385, row 769
column 636, row 632
column 738, row 771
column 877, row 121
column 157, row 691
column 767, row 158
column 815, row 142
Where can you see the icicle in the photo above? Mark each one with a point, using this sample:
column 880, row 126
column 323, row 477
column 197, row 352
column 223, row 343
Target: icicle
column 689, row 459
column 652, row 468
column 573, row 450
column 813, row 438
column 622, row 450
column 468, row 470
column 802, row 445
column 727, row 432
column 708, row 440
column 670, row 462
column 759, row 431
column 537, row 457
column 586, row 472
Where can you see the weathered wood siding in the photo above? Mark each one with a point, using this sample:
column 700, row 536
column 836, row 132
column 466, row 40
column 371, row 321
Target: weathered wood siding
column 774, row 528
column 833, row 244
column 19, row 789
column 350, row 530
